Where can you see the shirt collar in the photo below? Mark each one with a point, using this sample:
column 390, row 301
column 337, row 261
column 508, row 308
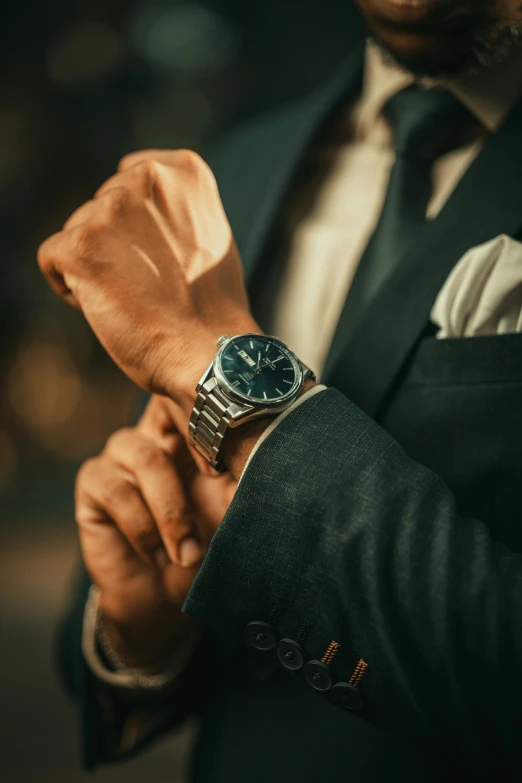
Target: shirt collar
column 489, row 94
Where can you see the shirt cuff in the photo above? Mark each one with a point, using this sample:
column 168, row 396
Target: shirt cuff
column 126, row 680
column 282, row 416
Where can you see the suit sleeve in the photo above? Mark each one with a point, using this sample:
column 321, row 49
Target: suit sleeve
column 359, row 553
column 106, row 715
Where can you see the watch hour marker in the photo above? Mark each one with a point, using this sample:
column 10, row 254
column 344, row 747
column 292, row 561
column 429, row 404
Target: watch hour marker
column 264, row 395
column 285, row 381
column 267, row 346
column 228, row 370
column 279, row 390
column 236, row 383
column 251, row 344
column 287, row 368
column 249, row 392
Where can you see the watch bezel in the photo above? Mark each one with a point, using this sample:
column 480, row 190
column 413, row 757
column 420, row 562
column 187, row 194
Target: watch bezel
column 254, row 402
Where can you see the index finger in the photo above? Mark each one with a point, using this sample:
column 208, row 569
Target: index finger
column 161, row 487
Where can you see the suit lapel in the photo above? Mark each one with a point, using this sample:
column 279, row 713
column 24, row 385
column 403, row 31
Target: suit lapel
column 255, row 173
column 365, row 362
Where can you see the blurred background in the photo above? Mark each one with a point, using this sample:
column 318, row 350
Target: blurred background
column 83, row 82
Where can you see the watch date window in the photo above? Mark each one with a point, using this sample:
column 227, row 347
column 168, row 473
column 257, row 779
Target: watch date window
column 247, row 358
column 259, row 368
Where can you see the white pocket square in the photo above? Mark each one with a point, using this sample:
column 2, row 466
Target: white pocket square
column 483, row 293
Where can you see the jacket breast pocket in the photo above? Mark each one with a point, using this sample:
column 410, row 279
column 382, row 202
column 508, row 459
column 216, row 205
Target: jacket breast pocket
column 458, row 410
column 466, row 360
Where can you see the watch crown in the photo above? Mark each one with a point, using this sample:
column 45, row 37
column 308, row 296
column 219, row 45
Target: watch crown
column 222, row 340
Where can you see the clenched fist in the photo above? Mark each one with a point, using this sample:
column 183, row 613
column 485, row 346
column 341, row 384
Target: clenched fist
column 152, row 264
column 146, row 516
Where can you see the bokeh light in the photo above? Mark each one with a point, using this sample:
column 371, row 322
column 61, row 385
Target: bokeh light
column 188, row 37
column 84, row 52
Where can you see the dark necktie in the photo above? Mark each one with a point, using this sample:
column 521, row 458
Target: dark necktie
column 426, row 123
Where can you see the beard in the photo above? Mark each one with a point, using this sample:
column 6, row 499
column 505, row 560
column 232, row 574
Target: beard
column 488, row 42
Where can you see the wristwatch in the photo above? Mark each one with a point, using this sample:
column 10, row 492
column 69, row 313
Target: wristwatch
column 250, row 377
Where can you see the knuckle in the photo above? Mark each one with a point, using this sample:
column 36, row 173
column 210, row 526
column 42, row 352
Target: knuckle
column 117, row 438
column 82, row 516
column 129, row 159
column 147, row 178
column 148, row 170
column 86, row 237
column 148, row 454
column 125, row 161
column 144, row 534
column 116, row 201
column 114, row 491
column 175, row 517
column 50, row 250
column 189, row 159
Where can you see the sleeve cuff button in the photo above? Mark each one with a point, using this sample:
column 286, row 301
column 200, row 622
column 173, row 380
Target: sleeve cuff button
column 260, row 635
column 317, row 676
column 346, row 695
column 290, row 654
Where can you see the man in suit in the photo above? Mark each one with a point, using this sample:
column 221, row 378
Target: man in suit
column 350, row 607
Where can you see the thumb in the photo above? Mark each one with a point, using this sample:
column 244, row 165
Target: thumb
column 159, row 422
column 165, row 423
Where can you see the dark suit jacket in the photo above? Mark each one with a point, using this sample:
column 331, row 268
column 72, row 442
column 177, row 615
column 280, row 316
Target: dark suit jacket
column 384, row 514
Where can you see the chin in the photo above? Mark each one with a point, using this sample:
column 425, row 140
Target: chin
column 430, row 55
column 441, row 37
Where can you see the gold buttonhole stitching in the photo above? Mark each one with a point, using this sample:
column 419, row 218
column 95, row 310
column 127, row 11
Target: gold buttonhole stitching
column 359, row 673
column 331, row 652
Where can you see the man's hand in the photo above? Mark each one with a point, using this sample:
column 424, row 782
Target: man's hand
column 146, row 517
column 152, row 264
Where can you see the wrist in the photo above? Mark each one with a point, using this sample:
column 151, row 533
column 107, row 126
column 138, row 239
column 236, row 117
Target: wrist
column 239, row 441
column 183, row 377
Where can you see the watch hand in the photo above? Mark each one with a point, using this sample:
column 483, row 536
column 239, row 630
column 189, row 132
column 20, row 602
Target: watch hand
column 260, row 367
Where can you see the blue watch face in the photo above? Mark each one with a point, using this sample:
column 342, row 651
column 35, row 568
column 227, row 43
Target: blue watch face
column 260, row 369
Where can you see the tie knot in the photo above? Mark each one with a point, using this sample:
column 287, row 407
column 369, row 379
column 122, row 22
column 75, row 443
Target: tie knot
column 426, row 122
